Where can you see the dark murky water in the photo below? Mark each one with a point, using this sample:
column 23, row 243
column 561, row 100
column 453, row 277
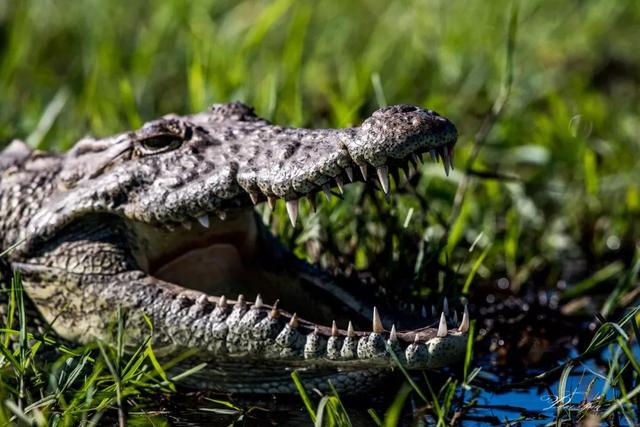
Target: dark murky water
column 535, row 405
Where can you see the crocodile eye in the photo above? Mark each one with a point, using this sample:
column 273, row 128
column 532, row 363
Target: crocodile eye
column 159, row 144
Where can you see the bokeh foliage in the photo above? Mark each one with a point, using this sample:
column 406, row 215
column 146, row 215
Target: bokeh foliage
column 555, row 180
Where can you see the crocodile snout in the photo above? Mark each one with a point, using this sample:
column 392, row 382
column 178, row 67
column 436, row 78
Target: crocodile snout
column 401, row 131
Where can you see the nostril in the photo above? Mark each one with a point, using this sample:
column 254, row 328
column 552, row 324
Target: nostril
column 395, row 109
column 406, row 108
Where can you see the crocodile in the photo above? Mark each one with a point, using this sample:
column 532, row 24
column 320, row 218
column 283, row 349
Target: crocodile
column 159, row 224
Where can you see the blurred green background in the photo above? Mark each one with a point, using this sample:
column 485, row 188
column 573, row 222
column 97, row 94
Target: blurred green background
column 553, row 195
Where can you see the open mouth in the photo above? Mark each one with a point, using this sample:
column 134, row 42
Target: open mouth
column 234, row 254
column 182, row 192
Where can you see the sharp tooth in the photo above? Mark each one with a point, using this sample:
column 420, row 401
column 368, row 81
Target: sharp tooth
column 293, row 322
column 222, row 302
column 326, row 188
column 450, row 151
column 363, row 171
column 349, row 172
column 222, row 215
column 415, row 159
column 446, row 161
column 292, row 210
column 187, row 225
column 377, row 323
column 350, row 332
column 441, row 151
column 254, row 197
column 383, row 176
column 240, row 300
column 272, row 202
column 334, row 329
column 445, row 306
column 434, row 155
column 434, row 312
column 393, row 337
column 204, row 220
column 275, row 312
column 464, row 325
column 258, row 302
column 340, row 183
column 442, row 327
column 455, row 317
column 424, row 312
column 312, row 200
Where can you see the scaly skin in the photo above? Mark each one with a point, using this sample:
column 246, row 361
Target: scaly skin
column 159, row 220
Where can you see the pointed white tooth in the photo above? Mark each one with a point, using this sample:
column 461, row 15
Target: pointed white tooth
column 445, row 306
column 258, row 302
column 254, row 197
column 272, row 202
column 446, row 161
column 187, row 225
column 326, row 188
column 424, row 311
column 416, row 160
column 204, row 220
column 222, row 215
column 383, row 176
column 442, row 327
column 292, row 210
column 393, row 337
column 350, row 332
column 340, row 184
column 293, row 322
column 363, row 171
column 377, row 323
column 434, row 312
column 334, row 329
column 455, row 317
column 434, row 155
column 222, row 302
column 450, row 151
column 464, row 325
column 349, row 172
column 275, row 313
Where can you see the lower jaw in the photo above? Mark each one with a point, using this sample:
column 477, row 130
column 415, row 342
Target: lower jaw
column 271, row 271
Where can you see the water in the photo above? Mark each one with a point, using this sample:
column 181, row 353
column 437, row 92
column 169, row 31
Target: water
column 533, row 405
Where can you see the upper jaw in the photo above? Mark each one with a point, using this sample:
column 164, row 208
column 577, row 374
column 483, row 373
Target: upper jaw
column 231, row 163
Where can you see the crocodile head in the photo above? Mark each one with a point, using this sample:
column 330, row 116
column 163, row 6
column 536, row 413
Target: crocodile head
column 184, row 188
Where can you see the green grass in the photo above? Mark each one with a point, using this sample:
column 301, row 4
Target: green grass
column 44, row 383
column 545, row 191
